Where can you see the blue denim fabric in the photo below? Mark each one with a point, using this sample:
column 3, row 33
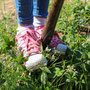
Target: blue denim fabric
column 27, row 8
column 40, row 8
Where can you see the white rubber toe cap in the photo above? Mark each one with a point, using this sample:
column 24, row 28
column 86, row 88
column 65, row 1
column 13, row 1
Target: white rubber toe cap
column 36, row 61
column 62, row 48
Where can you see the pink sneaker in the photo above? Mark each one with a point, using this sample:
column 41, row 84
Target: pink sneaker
column 55, row 42
column 28, row 44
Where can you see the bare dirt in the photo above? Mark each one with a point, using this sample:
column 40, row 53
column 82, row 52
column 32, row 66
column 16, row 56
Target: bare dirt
column 7, row 8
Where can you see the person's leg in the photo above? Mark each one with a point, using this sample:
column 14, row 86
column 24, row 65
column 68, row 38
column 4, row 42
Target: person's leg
column 26, row 38
column 24, row 12
column 40, row 12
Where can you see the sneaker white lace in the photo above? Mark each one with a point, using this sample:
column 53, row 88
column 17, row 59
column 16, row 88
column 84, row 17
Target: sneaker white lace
column 28, row 43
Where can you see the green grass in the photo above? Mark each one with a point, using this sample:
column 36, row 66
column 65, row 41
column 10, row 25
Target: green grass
column 71, row 72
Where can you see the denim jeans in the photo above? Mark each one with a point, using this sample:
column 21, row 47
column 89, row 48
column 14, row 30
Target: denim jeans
column 26, row 9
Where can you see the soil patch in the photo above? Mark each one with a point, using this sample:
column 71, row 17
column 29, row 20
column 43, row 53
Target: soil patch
column 7, row 8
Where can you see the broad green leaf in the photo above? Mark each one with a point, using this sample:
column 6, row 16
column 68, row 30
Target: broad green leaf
column 58, row 72
column 83, row 81
column 6, row 39
column 43, row 77
column 45, row 69
column 12, row 41
column 81, row 76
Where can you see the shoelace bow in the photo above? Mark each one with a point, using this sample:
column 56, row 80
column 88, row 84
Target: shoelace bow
column 28, row 43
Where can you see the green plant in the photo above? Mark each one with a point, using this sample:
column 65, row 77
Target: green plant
column 70, row 72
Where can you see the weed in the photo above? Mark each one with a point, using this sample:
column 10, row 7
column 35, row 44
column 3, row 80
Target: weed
column 70, row 72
